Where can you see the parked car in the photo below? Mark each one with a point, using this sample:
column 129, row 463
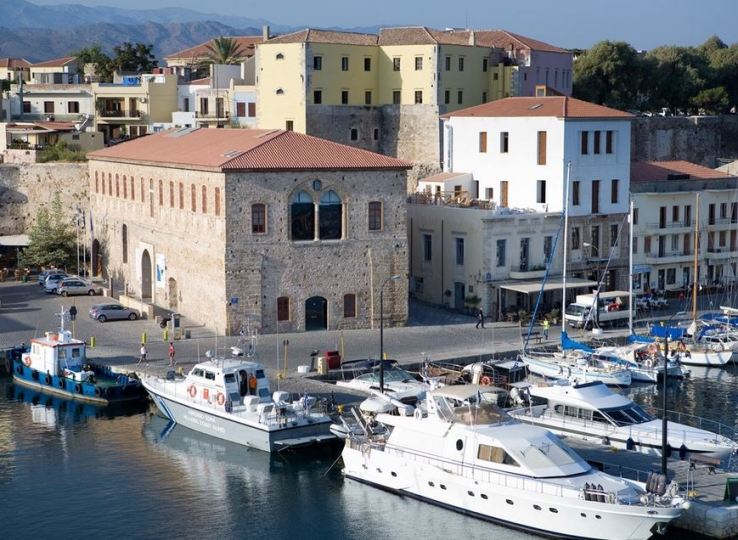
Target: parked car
column 43, row 275
column 112, row 312
column 74, row 285
column 52, row 282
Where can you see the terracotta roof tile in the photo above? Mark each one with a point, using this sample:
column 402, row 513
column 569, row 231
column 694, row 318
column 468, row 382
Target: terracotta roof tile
column 244, row 149
column 247, row 43
column 406, row 35
column 504, row 40
column 649, row 171
column 56, row 62
column 313, row 35
column 14, row 63
column 556, row 106
column 442, row 177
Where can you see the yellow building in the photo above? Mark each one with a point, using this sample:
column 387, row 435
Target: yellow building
column 128, row 108
column 383, row 92
column 11, row 68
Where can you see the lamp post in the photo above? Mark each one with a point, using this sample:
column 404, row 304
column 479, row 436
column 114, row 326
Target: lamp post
column 394, row 277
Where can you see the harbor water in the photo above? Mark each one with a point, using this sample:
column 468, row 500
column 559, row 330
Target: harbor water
column 71, row 471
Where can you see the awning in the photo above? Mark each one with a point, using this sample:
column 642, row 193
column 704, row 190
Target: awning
column 553, row 284
column 14, row 240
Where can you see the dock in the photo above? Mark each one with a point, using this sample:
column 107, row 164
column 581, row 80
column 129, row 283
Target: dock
column 704, row 486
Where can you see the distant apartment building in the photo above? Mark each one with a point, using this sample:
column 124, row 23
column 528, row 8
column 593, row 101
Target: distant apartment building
column 66, row 70
column 243, row 105
column 193, row 61
column 13, row 69
column 383, row 92
column 53, row 102
column 131, row 105
column 666, row 212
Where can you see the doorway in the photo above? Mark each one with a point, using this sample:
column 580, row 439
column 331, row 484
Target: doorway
column 316, row 313
column 146, row 275
column 459, row 295
column 172, row 293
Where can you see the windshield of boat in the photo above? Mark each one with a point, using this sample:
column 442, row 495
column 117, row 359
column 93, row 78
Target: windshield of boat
column 628, row 415
column 391, row 374
column 546, row 453
column 480, row 409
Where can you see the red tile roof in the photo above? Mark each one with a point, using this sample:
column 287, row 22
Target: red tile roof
column 56, row 62
column 506, row 40
column 422, row 35
column 244, row 149
column 12, row 63
column 556, row 106
column 313, row 35
column 442, row 177
column 246, row 43
column 649, row 171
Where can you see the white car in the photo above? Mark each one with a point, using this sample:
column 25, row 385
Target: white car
column 74, row 285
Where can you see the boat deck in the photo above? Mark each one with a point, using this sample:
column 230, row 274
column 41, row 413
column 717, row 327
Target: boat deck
column 708, row 514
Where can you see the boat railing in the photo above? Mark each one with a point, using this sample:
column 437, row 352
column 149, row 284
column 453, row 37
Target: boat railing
column 483, row 474
column 697, row 422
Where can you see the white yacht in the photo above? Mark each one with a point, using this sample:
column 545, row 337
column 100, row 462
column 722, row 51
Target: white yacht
column 594, row 412
column 574, row 364
column 643, row 360
column 464, row 453
column 230, row 399
column 397, row 381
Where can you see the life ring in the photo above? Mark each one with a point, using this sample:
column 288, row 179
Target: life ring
column 252, row 383
column 47, row 379
column 648, row 363
column 682, row 347
column 653, row 348
column 486, row 381
column 192, row 391
column 27, row 361
column 220, row 399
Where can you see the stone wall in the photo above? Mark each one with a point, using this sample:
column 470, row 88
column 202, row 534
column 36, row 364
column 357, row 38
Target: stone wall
column 25, row 188
column 699, row 139
column 260, row 267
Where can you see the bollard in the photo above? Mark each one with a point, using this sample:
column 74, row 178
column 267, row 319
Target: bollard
column 165, row 334
column 92, row 342
column 143, row 338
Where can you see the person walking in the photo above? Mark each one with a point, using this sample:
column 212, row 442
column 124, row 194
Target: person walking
column 480, row 319
column 171, row 354
column 546, row 326
column 143, row 353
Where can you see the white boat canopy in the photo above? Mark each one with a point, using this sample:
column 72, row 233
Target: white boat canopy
column 533, row 286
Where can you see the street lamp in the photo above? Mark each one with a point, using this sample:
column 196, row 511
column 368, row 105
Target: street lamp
column 394, row 277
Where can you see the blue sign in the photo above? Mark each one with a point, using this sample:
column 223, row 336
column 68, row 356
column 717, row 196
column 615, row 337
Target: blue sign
column 234, row 300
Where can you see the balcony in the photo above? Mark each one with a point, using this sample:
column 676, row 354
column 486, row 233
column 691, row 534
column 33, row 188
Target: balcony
column 214, row 115
column 669, row 257
column 724, row 252
column 528, row 272
column 668, row 226
column 120, row 114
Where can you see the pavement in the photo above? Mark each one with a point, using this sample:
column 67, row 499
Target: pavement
column 433, row 333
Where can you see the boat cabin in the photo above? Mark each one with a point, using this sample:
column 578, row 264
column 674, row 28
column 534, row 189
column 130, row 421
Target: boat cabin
column 234, row 382
column 58, row 353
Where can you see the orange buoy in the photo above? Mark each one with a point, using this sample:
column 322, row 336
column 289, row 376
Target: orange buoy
column 220, row 399
column 486, row 381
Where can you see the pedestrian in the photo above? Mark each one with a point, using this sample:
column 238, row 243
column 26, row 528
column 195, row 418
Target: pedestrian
column 171, row 354
column 480, row 319
column 546, row 326
column 143, row 353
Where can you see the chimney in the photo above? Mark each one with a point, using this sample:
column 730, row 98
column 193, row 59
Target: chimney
column 471, row 38
column 265, row 32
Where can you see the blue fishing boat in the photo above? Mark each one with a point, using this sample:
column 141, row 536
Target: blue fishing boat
column 57, row 364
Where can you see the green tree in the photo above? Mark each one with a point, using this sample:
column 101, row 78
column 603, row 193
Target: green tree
column 224, row 50
column 51, row 238
column 134, row 57
column 678, row 74
column 724, row 64
column 712, row 100
column 95, row 56
column 610, row 73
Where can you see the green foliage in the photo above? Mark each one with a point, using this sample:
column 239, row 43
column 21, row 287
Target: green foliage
column 682, row 79
column 224, row 50
column 130, row 57
column 60, row 151
column 51, row 239
column 95, row 56
column 4, row 85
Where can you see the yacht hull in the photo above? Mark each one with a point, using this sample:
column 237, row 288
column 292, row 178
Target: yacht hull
column 552, row 369
column 707, row 358
column 517, row 508
column 236, row 431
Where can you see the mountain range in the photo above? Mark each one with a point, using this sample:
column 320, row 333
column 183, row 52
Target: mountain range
column 40, row 32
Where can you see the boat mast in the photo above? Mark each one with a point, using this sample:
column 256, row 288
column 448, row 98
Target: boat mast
column 696, row 254
column 630, row 273
column 566, row 246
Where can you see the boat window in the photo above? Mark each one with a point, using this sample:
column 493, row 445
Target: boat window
column 197, row 372
column 585, row 414
column 209, row 375
column 640, row 412
column 597, row 416
column 259, row 373
column 62, row 353
column 559, row 409
column 572, row 411
column 263, row 392
column 479, row 414
column 495, row 454
column 76, row 352
column 229, row 378
column 619, row 416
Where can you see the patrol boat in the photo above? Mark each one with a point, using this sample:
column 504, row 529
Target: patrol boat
column 229, row 398
column 58, row 364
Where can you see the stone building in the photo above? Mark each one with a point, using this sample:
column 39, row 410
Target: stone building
column 288, row 231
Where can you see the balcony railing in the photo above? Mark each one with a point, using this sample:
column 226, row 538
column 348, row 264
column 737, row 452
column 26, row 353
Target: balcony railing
column 670, row 225
column 121, row 114
column 212, row 115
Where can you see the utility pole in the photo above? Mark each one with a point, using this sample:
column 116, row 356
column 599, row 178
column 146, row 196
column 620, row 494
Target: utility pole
column 664, row 422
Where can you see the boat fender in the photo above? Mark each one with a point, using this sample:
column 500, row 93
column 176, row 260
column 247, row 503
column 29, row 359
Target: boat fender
column 220, row 398
column 60, row 383
column 192, row 391
column 682, row 452
column 486, row 381
column 630, row 444
column 418, row 414
column 561, row 369
column 98, row 391
column 606, row 441
column 252, row 383
column 78, row 388
column 47, row 379
column 19, row 369
column 34, row 375
column 229, row 406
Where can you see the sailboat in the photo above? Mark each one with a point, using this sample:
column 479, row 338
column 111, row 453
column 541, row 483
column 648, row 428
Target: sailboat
column 575, row 361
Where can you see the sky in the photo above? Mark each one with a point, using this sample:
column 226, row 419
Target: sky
column 568, row 23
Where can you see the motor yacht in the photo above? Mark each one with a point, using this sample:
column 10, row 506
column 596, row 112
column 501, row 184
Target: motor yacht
column 363, row 375
column 643, row 360
column 462, row 452
column 593, row 411
column 576, row 364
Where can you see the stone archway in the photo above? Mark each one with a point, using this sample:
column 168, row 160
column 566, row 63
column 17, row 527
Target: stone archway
column 146, row 275
column 316, row 313
column 172, row 293
column 96, row 258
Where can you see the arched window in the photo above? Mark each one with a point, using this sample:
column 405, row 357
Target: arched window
column 133, row 193
column 193, row 197
column 125, row 187
column 124, row 242
column 143, row 190
column 283, row 308
column 280, row 56
column 97, row 183
column 302, row 216
column 349, row 306
column 204, row 200
column 217, row 201
column 171, row 194
column 330, row 216
column 258, row 218
column 181, row 196
column 117, row 187
column 375, row 216
column 161, row 193
column 280, row 91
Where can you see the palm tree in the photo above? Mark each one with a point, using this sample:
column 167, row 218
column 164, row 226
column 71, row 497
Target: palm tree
column 224, row 50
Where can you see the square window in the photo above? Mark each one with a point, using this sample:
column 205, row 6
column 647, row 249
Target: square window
column 485, row 64
column 609, row 137
column 375, row 134
column 258, row 218
column 368, row 97
column 418, row 97
column 344, row 63
column 283, row 308
column 418, row 63
column 349, row 306
column 289, row 125
column 482, row 141
column 317, row 97
column 447, row 97
column 317, row 63
column 396, row 97
column 344, row 97
column 460, row 252
column 484, row 97
column 504, row 142
column 541, row 192
column 396, row 63
column 460, row 97
column 367, row 64
column 461, row 63
column 585, row 143
column 354, row 134
column 448, row 63
column 427, row 247
column 375, row 216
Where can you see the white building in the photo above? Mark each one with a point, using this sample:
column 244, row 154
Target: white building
column 517, row 150
column 665, row 213
column 52, row 102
